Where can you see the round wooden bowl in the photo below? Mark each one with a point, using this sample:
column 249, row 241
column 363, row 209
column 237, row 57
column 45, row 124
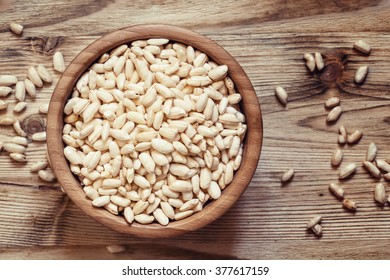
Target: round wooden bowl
column 249, row 105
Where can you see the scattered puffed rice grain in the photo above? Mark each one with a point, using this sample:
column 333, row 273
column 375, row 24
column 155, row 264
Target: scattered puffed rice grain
column 20, row 106
column 44, row 74
column 3, row 105
column 370, row 167
column 361, row 74
column 18, row 129
column 310, row 61
column 20, row 140
column 354, row 137
column 336, row 190
column 16, row 28
column 115, row 249
column 7, row 120
column 14, row 148
column 8, row 80
column 334, row 114
column 332, row 102
column 46, row 176
column 40, row 165
column 5, row 91
column 319, row 61
column 30, row 87
column 34, row 77
column 44, row 108
column 20, row 91
column 337, row 157
column 18, row 157
column 58, row 62
column 362, row 46
column 349, row 204
column 342, row 139
column 39, row 136
column 379, row 194
column 317, row 229
column 287, row 176
column 347, row 170
column 281, row 94
column 314, row 221
column 383, row 165
column 371, row 152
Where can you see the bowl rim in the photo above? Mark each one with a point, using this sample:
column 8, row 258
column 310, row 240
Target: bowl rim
column 249, row 105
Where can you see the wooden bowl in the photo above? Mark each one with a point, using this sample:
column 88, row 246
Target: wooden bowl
column 249, row 105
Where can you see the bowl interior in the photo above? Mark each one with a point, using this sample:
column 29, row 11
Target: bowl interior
column 249, row 106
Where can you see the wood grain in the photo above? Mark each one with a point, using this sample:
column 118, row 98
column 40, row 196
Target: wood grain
column 365, row 250
column 268, row 222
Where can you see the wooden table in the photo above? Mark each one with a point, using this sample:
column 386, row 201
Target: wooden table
column 268, row 38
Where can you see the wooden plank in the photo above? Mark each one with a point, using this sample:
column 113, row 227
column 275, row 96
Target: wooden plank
column 268, row 40
column 350, row 249
column 95, row 17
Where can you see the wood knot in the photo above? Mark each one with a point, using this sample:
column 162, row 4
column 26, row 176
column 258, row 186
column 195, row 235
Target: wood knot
column 34, row 124
column 332, row 72
column 45, row 45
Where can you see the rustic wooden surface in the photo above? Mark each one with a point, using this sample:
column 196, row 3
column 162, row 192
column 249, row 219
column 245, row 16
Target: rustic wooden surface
column 268, row 38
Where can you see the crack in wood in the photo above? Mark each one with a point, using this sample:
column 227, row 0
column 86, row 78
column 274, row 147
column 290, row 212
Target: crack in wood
column 45, row 45
column 37, row 187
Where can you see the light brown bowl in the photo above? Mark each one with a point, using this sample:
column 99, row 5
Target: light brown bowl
column 249, row 105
